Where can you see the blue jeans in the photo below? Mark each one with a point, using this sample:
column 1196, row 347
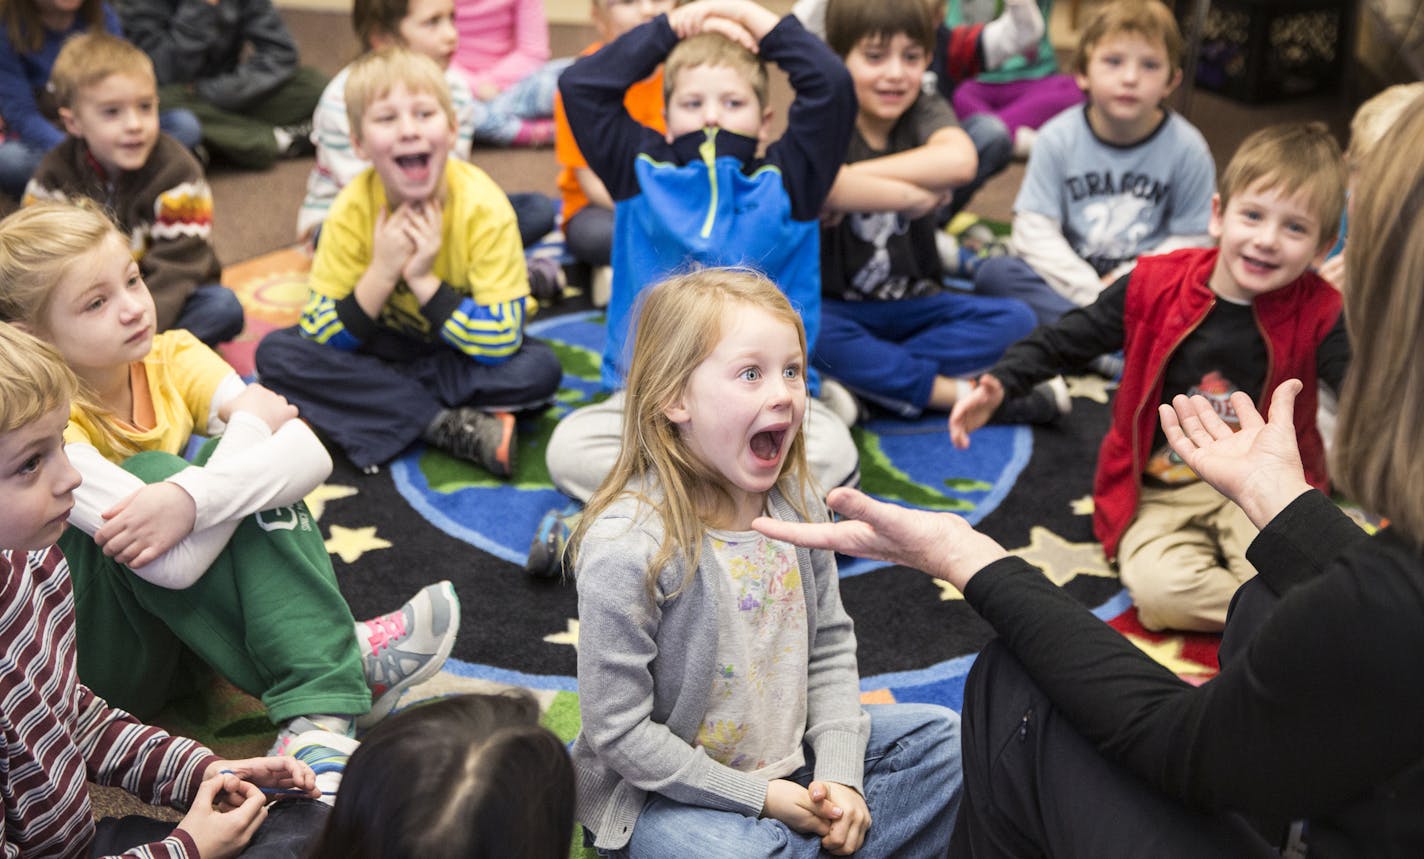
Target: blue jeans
column 212, row 313
column 290, row 824
column 912, row 783
column 1011, row 277
column 19, row 159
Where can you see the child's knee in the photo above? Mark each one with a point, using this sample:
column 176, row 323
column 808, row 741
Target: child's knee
column 153, row 466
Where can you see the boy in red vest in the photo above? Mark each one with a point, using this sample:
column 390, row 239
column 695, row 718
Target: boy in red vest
column 1246, row 316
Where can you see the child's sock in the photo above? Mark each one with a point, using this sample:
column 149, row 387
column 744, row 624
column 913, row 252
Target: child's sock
column 1014, row 32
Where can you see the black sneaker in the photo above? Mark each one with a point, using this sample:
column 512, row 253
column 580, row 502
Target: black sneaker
column 484, row 438
column 546, row 550
column 1045, row 404
column 300, row 144
column 546, row 280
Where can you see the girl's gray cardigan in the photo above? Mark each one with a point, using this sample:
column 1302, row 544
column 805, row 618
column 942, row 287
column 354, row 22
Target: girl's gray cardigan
column 645, row 672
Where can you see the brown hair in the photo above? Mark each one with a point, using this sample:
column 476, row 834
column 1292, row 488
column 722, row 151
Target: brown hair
column 376, row 18
column 714, row 49
column 27, row 30
column 1296, row 158
column 89, row 58
column 374, row 74
column 679, row 324
column 849, row 21
column 1377, row 458
column 1150, row 19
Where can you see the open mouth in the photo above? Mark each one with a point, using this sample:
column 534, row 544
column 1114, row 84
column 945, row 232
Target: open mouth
column 766, row 445
column 1258, row 266
column 414, row 166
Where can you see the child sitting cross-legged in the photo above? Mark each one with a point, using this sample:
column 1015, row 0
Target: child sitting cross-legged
column 217, row 561
column 414, row 328
column 56, row 734
column 1242, row 317
column 718, row 687
column 115, row 155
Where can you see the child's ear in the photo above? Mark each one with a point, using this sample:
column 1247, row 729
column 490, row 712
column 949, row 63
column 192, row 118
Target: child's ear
column 1172, row 85
column 677, row 412
column 71, row 125
column 357, row 147
column 1213, row 226
column 381, row 39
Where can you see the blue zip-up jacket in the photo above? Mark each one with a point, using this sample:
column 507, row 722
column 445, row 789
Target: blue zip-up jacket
column 706, row 199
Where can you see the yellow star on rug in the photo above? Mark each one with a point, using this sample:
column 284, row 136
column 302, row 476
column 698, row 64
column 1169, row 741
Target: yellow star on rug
column 569, row 636
column 350, row 544
column 1061, row 560
column 1091, row 387
column 947, row 591
column 1082, row 506
column 1168, row 653
column 317, row 498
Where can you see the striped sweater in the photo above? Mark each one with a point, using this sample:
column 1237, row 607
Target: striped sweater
column 55, row 733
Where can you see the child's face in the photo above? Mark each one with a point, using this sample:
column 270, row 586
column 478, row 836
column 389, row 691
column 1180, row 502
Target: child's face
column 613, row 18
column 429, row 28
column 715, row 97
column 887, row 73
column 36, row 481
column 406, row 137
column 100, row 315
column 743, row 405
column 1127, row 79
column 1267, row 240
column 118, row 119
column 52, row 8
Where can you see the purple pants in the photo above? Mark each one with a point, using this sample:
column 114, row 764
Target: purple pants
column 1018, row 103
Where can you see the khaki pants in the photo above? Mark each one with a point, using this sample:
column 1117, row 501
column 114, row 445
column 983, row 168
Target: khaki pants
column 1184, row 556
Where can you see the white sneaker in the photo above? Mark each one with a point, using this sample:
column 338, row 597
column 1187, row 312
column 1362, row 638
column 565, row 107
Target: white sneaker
column 840, row 401
column 601, row 286
column 407, row 646
column 326, row 753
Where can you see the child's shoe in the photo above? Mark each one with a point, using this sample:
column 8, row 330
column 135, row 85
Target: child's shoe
column 1108, row 366
column 484, row 438
column 546, row 280
column 326, row 753
column 303, row 724
column 1045, row 404
column 546, row 552
column 601, row 286
column 840, row 401
column 407, row 646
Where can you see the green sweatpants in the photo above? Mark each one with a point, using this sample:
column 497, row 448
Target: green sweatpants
column 246, row 138
column 267, row 615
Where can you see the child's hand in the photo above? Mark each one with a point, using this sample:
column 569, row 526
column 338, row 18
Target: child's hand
column 140, row 528
column 277, row 773
column 392, row 247
column 422, row 230
column 224, row 815
column 1333, row 270
column 264, row 403
column 846, row 811
column 751, row 21
column 791, row 803
column 973, row 411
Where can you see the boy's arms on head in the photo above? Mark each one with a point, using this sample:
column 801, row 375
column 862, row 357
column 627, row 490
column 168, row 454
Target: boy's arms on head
column 753, row 19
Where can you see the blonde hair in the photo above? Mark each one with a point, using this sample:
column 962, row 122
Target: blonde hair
column 373, row 75
column 1377, row 458
column 1374, row 118
column 1150, row 19
column 89, row 58
column 714, row 49
column 38, row 244
column 34, row 380
column 1295, row 158
column 679, row 324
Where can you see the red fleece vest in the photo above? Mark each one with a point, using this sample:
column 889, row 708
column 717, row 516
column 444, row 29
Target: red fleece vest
column 1167, row 298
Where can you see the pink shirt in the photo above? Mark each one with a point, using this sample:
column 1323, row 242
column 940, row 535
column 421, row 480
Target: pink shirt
column 501, row 41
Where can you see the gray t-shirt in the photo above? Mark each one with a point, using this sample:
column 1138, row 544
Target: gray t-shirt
column 1117, row 202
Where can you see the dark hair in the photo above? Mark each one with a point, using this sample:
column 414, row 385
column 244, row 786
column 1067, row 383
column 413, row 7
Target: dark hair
column 849, row 21
column 27, row 32
column 377, row 17
column 460, row 778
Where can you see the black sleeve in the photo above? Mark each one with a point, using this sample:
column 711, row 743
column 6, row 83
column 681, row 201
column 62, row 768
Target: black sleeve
column 821, row 118
column 1320, row 706
column 593, row 89
column 1332, row 357
column 1081, row 335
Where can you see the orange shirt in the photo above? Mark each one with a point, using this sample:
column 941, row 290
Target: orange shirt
column 644, row 102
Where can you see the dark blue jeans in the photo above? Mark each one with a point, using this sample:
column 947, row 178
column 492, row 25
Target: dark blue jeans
column 213, row 314
column 290, row 824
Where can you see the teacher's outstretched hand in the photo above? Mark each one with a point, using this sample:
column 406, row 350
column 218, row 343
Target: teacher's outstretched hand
column 941, row 544
column 1257, row 466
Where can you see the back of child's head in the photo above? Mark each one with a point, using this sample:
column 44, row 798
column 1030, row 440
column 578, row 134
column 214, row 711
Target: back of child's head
column 713, row 50
column 1376, row 459
column 26, row 28
column 37, row 245
column 1291, row 158
column 34, row 380
column 375, row 74
column 89, row 58
column 1149, row 19
column 850, row 21
column 377, row 18
column 469, row 776
column 1378, row 115
column 679, row 323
